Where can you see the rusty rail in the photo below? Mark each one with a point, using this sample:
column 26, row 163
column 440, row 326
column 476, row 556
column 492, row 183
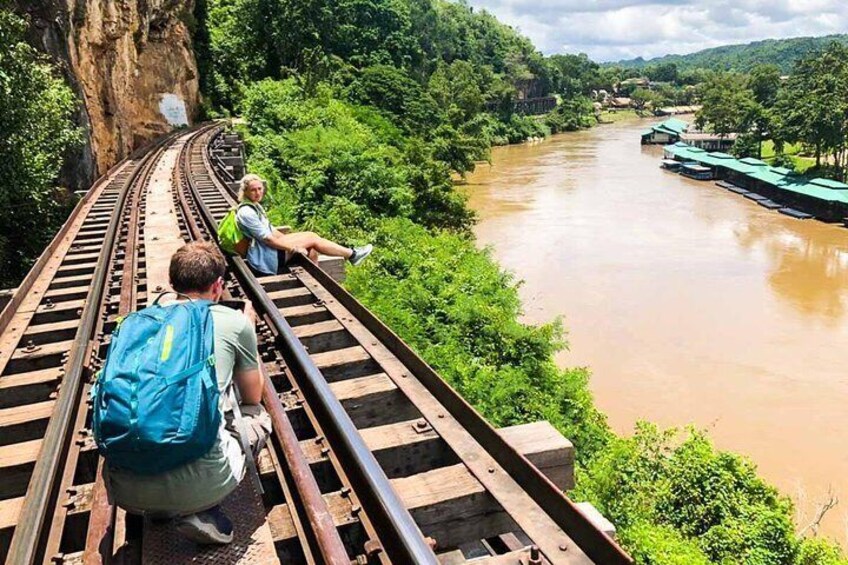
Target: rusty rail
column 41, row 492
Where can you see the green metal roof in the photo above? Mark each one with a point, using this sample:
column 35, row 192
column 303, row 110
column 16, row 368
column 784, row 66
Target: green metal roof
column 675, row 125
column 671, row 126
column 830, row 183
column 781, row 177
column 768, row 175
column 782, row 170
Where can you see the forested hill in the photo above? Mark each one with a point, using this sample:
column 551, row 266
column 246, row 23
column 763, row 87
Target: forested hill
column 743, row 57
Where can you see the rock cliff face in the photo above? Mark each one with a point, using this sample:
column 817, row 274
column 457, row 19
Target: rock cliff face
column 130, row 61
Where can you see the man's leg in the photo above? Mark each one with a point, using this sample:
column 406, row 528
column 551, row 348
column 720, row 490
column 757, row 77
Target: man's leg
column 212, row 525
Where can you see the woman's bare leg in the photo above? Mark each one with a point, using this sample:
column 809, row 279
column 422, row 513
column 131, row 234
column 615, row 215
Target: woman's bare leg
column 314, row 243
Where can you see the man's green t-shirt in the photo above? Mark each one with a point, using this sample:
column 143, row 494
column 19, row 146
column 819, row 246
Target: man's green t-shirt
column 206, row 481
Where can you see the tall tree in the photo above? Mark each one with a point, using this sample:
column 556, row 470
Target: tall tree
column 643, row 98
column 35, row 131
column 727, row 104
column 813, row 106
column 764, row 82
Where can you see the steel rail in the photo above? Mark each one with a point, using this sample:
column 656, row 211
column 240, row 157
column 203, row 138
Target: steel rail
column 400, row 535
column 325, row 534
column 598, row 546
column 402, row 539
column 41, row 496
column 100, row 535
column 327, row 537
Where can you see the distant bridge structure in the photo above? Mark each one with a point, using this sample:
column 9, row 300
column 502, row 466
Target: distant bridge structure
column 529, row 106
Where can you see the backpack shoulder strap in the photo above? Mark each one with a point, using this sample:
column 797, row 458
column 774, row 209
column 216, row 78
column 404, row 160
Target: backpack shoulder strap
column 255, row 206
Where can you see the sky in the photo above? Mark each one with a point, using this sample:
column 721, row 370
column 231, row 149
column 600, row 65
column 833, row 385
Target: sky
column 609, row 30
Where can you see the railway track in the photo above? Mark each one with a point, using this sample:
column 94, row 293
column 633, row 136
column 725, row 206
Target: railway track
column 373, row 459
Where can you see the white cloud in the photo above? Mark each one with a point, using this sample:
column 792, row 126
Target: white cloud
column 617, row 29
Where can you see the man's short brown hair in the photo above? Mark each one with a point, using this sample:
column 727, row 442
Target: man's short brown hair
column 196, row 266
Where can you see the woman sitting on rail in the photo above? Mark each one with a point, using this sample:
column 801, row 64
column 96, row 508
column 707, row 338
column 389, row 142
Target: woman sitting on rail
column 271, row 248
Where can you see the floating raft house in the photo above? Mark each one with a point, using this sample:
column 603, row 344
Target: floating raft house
column 696, row 171
column 670, row 164
column 825, row 199
column 664, row 132
column 770, row 204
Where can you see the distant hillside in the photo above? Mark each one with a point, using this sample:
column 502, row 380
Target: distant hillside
column 781, row 52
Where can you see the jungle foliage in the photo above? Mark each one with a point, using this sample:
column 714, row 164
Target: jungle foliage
column 36, row 129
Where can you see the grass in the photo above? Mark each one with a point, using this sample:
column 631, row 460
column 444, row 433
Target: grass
column 612, row 116
column 788, row 148
column 793, row 150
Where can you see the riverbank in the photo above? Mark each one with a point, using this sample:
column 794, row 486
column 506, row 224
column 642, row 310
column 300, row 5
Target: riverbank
column 689, row 305
column 615, row 116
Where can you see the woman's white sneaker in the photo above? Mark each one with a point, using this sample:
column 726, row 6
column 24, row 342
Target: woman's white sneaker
column 360, row 253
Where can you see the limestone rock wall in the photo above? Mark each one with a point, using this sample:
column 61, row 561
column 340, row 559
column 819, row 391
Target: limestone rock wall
column 130, row 61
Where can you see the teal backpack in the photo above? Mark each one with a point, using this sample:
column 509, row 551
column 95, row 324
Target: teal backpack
column 156, row 400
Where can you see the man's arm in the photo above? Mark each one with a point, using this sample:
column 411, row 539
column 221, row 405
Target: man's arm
column 249, row 383
column 246, row 375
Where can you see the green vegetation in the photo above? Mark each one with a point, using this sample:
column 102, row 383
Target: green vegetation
column 438, row 70
column 811, row 108
column 744, row 57
column 679, row 500
column 613, row 116
column 360, row 116
column 791, row 152
column 339, row 168
column 35, row 131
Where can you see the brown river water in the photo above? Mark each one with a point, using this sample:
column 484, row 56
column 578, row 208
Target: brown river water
column 689, row 303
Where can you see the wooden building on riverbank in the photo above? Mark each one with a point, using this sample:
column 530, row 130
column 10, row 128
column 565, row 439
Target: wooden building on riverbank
column 668, row 131
column 708, row 141
column 826, row 199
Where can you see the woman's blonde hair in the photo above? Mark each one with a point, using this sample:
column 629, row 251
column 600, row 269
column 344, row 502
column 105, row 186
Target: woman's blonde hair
column 245, row 182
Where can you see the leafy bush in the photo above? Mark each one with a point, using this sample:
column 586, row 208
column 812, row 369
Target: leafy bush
column 331, row 169
column 571, row 114
column 36, row 129
column 651, row 544
column 817, row 551
column 663, row 489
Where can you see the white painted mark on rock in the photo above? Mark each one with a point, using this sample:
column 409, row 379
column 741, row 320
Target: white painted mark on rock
column 173, row 108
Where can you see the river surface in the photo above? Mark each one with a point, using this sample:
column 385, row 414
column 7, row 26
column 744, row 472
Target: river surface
column 689, row 303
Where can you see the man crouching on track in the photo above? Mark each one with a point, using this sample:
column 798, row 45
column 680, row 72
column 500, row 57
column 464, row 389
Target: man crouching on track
column 192, row 492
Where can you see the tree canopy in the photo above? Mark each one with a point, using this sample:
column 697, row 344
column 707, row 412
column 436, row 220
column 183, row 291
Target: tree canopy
column 743, row 57
column 36, row 129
